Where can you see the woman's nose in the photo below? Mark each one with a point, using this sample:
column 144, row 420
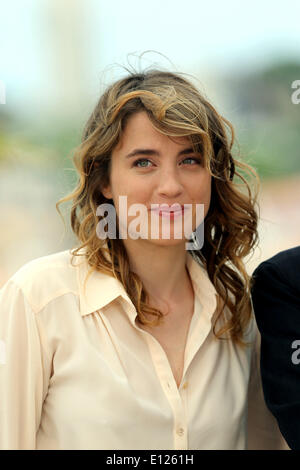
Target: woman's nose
column 169, row 183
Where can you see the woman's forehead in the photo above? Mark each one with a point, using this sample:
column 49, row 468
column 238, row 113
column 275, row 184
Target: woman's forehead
column 139, row 129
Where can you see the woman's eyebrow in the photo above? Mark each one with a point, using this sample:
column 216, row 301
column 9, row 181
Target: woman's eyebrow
column 155, row 152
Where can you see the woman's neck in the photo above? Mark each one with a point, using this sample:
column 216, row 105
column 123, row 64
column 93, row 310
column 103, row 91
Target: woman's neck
column 162, row 269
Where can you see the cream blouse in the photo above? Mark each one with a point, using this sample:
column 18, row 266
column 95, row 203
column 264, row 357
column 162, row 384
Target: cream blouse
column 76, row 372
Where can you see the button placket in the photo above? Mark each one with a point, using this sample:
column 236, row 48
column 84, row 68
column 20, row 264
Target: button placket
column 185, row 385
column 180, row 438
column 172, row 392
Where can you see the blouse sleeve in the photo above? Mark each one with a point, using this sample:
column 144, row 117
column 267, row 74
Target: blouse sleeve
column 23, row 366
column 263, row 430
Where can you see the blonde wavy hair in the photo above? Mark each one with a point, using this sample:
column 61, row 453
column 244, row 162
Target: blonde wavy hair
column 176, row 108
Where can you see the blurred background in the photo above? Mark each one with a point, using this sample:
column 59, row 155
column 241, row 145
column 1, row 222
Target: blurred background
column 57, row 57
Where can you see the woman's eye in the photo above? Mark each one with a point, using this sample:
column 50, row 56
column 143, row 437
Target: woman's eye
column 145, row 160
column 141, row 160
column 190, row 158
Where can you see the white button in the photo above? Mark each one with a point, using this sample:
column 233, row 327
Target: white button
column 180, row 431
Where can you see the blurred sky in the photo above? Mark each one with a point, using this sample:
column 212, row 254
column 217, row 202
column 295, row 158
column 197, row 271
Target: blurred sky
column 54, row 49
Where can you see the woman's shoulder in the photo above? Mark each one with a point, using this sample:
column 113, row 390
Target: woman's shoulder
column 45, row 278
column 42, row 266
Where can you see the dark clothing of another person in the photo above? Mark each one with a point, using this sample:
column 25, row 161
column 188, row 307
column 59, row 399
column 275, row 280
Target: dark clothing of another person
column 276, row 302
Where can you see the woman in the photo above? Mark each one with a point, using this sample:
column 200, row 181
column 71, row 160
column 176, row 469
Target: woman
column 135, row 342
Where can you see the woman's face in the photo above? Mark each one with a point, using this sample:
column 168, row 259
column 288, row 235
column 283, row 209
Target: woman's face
column 170, row 172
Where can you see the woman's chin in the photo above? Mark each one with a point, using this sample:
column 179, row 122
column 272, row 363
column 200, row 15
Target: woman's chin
column 165, row 241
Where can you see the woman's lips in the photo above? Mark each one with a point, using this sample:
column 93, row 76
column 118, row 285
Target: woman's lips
column 169, row 212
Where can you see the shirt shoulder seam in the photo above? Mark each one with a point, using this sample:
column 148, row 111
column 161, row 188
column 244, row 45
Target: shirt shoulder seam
column 38, row 308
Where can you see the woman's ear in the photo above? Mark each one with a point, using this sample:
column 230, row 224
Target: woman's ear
column 106, row 191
